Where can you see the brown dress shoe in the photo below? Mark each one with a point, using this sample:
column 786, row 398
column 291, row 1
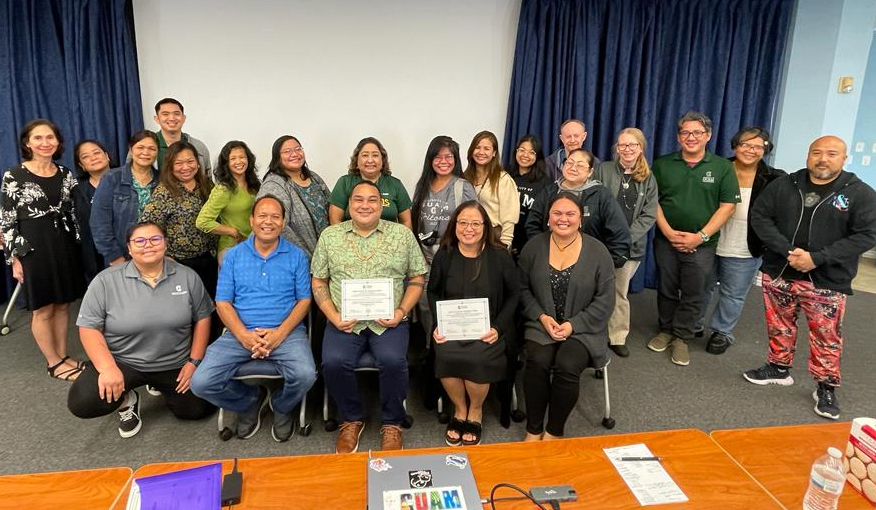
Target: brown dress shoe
column 391, row 437
column 348, row 436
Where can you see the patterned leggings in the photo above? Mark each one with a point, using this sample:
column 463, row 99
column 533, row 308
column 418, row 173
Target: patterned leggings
column 824, row 310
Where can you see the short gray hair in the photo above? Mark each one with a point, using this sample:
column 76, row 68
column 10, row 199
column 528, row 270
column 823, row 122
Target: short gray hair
column 694, row 116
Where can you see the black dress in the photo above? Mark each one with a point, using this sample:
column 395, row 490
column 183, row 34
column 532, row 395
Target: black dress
column 39, row 229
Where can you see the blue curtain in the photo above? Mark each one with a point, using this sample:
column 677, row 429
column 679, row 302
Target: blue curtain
column 71, row 61
column 642, row 63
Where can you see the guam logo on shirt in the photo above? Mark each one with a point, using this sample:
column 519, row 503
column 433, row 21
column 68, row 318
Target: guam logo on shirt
column 841, row 202
column 179, row 291
column 709, row 178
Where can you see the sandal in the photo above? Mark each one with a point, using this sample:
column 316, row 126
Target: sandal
column 79, row 364
column 70, row 374
column 474, row 429
column 455, row 425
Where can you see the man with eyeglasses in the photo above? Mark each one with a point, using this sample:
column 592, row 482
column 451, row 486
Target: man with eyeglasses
column 573, row 132
column 814, row 224
column 170, row 117
column 698, row 193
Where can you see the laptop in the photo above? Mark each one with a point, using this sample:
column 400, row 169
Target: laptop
column 422, row 482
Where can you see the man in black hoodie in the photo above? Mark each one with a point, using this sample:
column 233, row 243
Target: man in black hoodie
column 814, row 223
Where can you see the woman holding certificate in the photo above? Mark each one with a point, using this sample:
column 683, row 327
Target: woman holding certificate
column 567, row 299
column 471, row 267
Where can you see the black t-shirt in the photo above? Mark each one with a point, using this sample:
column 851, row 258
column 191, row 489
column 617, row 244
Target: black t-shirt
column 813, row 194
column 626, row 196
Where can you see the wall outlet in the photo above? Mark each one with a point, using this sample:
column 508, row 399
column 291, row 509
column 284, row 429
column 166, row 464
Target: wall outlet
column 874, row 147
column 865, row 160
column 859, row 147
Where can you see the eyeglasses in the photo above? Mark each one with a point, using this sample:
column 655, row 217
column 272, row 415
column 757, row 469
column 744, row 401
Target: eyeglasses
column 578, row 166
column 696, row 134
column 140, row 242
column 751, row 147
column 473, row 224
column 296, row 150
column 443, row 157
column 521, row 151
column 627, row 146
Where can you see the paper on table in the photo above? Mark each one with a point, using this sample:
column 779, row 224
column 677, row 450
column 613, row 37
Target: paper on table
column 189, row 489
column 648, row 481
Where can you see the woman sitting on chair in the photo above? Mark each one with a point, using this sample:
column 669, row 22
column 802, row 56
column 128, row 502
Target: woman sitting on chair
column 144, row 321
column 567, row 299
column 472, row 263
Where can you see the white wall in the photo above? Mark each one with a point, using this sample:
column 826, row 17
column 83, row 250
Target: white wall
column 330, row 72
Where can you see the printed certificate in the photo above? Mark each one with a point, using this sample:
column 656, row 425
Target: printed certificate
column 463, row 319
column 367, row 299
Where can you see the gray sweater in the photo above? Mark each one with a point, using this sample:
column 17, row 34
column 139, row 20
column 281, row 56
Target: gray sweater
column 300, row 229
column 589, row 301
column 645, row 210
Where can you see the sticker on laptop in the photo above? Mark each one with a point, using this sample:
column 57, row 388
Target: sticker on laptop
column 457, row 461
column 420, row 479
column 379, row 465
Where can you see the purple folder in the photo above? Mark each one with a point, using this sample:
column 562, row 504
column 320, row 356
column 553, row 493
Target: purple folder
column 190, row 489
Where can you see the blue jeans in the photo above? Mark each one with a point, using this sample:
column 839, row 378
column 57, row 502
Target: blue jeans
column 340, row 355
column 735, row 276
column 213, row 378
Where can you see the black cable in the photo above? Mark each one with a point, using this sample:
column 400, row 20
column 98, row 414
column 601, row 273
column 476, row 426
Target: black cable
column 516, row 488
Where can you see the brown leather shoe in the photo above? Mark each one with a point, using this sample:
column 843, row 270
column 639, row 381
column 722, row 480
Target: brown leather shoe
column 348, row 436
column 391, row 437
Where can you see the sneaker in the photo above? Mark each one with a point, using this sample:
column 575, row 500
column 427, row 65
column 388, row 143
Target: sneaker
column 391, row 437
column 769, row 374
column 152, row 391
column 129, row 416
column 348, row 436
column 660, row 342
column 621, row 350
column 680, row 352
column 248, row 422
column 283, row 428
column 718, row 343
column 826, row 404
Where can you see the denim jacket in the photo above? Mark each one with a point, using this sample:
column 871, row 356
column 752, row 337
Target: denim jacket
column 114, row 209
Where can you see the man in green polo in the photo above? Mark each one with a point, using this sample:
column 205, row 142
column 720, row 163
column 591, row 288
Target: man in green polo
column 698, row 193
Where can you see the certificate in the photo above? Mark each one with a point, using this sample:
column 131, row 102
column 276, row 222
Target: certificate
column 367, row 299
column 463, row 319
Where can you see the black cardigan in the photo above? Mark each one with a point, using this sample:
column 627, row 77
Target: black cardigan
column 764, row 175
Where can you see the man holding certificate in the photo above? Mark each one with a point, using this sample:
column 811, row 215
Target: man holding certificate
column 359, row 269
column 473, row 293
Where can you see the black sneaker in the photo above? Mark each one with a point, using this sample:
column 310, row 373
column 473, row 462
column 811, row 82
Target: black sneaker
column 826, row 404
column 129, row 416
column 283, row 427
column 718, row 343
column 248, row 422
column 769, row 374
column 621, row 350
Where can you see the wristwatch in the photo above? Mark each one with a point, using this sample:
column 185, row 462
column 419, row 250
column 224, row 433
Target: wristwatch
column 195, row 362
column 705, row 237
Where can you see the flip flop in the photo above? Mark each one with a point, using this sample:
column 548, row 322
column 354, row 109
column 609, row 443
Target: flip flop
column 455, row 425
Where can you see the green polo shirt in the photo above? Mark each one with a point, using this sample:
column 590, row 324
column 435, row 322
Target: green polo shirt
column 690, row 196
column 389, row 251
column 393, row 194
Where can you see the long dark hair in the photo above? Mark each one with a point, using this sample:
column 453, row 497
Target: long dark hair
column 428, row 175
column 275, row 166
column 494, row 167
column 24, row 137
column 539, row 168
column 225, row 177
column 490, row 238
column 171, row 182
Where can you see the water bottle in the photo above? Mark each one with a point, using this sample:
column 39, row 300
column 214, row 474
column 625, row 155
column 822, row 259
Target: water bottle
column 826, row 482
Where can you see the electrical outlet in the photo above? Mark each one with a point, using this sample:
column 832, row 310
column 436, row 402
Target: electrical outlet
column 859, row 147
column 865, row 160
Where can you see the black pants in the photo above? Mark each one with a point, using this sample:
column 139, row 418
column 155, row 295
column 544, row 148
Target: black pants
column 681, row 286
column 83, row 399
column 566, row 360
column 208, row 269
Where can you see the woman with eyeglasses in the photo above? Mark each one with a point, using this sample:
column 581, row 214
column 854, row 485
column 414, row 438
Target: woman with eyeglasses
column 738, row 255
column 121, row 197
column 530, row 173
column 142, row 322
column 629, row 178
column 226, row 212
column 495, row 189
column 304, row 194
column 370, row 162
column 602, row 217
column 471, row 263
column 40, row 240
column 567, row 298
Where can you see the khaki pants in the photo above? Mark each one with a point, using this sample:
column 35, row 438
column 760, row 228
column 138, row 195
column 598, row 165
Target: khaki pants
column 619, row 323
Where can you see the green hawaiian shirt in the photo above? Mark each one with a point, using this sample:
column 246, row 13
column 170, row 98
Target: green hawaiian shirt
column 389, row 251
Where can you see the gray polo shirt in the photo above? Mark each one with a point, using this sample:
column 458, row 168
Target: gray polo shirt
column 147, row 329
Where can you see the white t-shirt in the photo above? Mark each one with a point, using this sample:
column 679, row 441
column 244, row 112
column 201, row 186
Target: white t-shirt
column 734, row 234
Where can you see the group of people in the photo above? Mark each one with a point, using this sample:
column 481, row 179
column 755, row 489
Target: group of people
column 552, row 243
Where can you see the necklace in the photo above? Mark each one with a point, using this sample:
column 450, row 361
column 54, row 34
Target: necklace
column 359, row 254
column 625, row 186
column 563, row 248
column 625, row 181
column 151, row 277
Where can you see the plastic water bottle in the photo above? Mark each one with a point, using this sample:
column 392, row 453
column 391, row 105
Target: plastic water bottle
column 826, row 482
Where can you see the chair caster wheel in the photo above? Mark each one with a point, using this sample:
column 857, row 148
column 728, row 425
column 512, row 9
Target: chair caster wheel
column 331, row 425
column 518, row 416
column 4, row 330
column 305, row 430
column 444, row 417
column 409, row 421
column 608, row 423
column 599, row 374
column 225, row 434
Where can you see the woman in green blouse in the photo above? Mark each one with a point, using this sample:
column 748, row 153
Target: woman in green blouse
column 226, row 213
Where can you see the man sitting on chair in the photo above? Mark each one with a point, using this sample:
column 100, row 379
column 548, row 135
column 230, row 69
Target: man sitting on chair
column 367, row 247
column 262, row 297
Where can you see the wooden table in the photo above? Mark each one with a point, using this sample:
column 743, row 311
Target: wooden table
column 709, row 478
column 71, row 490
column 780, row 458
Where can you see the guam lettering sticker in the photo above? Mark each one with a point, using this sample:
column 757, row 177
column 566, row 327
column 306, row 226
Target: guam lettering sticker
column 379, row 465
column 456, row 461
column 841, row 202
